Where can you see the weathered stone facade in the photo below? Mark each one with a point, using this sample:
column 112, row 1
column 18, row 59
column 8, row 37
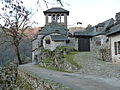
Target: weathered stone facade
column 98, row 42
column 114, row 39
column 52, row 44
column 54, row 34
column 101, row 46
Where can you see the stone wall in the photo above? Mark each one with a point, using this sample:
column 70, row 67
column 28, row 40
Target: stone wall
column 98, row 42
column 73, row 42
column 101, row 46
column 8, row 77
column 38, row 83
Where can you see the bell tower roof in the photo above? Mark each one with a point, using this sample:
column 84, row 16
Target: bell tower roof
column 56, row 10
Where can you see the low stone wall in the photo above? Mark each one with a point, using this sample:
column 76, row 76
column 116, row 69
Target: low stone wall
column 8, row 77
column 38, row 83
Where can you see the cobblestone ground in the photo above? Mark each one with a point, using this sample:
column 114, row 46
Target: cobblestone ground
column 93, row 66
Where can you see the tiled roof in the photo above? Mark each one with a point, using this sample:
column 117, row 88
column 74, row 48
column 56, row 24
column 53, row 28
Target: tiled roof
column 92, row 30
column 115, row 29
column 87, row 32
column 59, row 37
column 53, row 27
column 56, row 10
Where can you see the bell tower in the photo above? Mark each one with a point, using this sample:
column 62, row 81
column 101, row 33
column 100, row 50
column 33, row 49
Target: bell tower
column 58, row 15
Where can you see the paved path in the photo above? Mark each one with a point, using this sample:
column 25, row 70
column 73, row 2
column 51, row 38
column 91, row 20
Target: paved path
column 75, row 81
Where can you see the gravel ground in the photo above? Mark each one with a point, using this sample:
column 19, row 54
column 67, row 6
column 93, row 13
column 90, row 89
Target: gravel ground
column 94, row 74
column 93, row 66
column 75, row 81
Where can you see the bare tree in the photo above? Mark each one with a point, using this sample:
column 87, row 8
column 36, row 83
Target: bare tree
column 15, row 20
column 47, row 2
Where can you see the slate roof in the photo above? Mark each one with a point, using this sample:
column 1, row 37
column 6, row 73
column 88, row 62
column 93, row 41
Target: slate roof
column 53, row 27
column 56, row 10
column 115, row 29
column 59, row 37
column 87, row 32
column 92, row 30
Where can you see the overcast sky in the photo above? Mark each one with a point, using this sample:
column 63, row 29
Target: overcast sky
column 85, row 11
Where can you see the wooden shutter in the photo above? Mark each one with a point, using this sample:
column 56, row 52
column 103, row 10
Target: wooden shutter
column 115, row 45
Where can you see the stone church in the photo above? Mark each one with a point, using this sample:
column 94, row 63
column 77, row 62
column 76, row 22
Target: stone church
column 55, row 32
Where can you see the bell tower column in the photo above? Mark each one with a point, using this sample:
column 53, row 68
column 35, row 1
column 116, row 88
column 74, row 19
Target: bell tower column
column 46, row 19
column 65, row 20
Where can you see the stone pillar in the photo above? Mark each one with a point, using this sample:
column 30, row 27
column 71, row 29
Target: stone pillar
column 51, row 17
column 60, row 18
column 46, row 19
column 55, row 17
column 65, row 20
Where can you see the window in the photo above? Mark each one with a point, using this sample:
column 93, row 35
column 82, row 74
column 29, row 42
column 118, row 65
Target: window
column 53, row 18
column 98, row 43
column 68, row 41
column 57, row 31
column 119, row 47
column 47, row 41
column 115, row 46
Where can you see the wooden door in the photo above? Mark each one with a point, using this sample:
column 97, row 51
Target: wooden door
column 83, row 44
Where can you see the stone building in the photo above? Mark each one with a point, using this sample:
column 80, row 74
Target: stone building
column 55, row 32
column 104, row 38
column 114, row 38
column 93, row 38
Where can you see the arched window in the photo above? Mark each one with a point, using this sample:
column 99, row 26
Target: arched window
column 53, row 17
column 47, row 41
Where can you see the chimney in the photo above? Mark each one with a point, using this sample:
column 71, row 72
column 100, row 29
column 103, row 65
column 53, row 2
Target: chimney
column 117, row 17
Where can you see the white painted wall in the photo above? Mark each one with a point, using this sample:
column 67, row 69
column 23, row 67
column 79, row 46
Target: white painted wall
column 115, row 38
column 52, row 46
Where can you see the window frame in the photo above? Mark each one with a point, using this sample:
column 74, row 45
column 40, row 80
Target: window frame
column 115, row 47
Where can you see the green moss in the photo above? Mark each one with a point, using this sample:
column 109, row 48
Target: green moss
column 24, row 85
column 70, row 58
column 47, row 60
column 1, row 82
column 64, row 48
column 54, row 68
column 27, row 86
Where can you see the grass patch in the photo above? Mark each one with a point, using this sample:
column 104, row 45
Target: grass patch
column 70, row 58
column 47, row 60
column 54, row 68
column 64, row 48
